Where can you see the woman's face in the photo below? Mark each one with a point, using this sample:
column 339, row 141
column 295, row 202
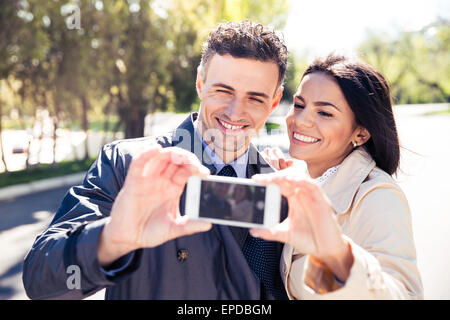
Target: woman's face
column 321, row 124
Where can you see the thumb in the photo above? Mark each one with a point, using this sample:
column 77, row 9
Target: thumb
column 184, row 226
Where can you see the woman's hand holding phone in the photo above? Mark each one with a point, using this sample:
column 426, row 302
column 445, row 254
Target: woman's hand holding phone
column 311, row 226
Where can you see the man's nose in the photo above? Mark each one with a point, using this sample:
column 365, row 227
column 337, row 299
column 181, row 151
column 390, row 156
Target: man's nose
column 234, row 110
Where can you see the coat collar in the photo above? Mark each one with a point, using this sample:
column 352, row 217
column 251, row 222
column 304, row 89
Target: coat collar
column 341, row 188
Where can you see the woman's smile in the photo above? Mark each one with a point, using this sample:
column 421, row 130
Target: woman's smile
column 303, row 139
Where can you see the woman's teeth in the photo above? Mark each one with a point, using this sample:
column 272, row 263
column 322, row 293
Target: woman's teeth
column 304, row 138
column 229, row 126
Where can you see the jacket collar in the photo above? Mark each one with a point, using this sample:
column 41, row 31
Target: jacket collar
column 341, row 188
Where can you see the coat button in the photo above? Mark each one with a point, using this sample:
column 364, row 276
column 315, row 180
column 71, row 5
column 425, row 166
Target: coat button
column 182, row 255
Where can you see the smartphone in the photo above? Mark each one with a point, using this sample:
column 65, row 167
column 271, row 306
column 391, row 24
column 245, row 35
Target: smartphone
column 233, row 201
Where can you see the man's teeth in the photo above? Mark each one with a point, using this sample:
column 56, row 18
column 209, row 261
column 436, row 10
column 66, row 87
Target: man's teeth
column 304, row 138
column 229, row 126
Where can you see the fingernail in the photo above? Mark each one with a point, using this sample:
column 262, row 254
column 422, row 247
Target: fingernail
column 254, row 233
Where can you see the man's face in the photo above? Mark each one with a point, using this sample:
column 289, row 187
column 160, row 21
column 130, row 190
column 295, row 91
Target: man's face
column 237, row 96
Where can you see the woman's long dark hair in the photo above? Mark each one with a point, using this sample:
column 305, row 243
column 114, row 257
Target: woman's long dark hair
column 368, row 94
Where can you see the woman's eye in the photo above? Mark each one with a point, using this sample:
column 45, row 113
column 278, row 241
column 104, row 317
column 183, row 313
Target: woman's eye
column 299, row 106
column 325, row 114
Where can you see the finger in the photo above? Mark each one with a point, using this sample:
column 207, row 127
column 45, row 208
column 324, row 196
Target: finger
column 177, row 157
column 181, row 176
column 139, row 161
column 184, row 226
column 282, row 163
column 287, row 187
column 289, row 163
column 274, row 159
column 169, row 171
column 279, row 233
column 186, row 159
column 278, row 153
column 157, row 165
column 265, row 156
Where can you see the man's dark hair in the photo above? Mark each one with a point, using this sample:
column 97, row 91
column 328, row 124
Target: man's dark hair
column 245, row 40
column 368, row 94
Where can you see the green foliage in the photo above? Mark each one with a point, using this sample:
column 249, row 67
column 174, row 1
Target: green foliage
column 128, row 58
column 417, row 64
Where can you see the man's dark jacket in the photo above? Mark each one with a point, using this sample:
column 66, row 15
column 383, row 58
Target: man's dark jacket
column 207, row 265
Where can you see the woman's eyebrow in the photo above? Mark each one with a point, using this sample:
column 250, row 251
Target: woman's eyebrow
column 317, row 103
column 325, row 104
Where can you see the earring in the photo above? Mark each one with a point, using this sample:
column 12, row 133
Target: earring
column 355, row 144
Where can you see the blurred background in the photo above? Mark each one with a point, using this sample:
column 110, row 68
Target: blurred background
column 75, row 75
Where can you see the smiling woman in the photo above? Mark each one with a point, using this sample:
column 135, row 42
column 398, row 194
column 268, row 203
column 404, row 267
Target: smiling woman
column 356, row 109
column 348, row 234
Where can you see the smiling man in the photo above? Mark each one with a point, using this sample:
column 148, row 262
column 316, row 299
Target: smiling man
column 124, row 227
column 237, row 98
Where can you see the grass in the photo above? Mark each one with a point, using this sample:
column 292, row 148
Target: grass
column 438, row 112
column 44, row 171
column 94, row 125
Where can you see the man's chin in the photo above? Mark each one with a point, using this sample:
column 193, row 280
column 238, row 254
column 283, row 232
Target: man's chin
column 230, row 148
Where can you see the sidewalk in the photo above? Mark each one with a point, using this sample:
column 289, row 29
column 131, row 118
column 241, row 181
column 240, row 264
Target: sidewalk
column 40, row 185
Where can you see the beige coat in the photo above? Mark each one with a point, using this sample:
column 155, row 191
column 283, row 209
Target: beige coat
column 375, row 218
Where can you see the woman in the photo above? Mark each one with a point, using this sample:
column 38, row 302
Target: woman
column 348, row 234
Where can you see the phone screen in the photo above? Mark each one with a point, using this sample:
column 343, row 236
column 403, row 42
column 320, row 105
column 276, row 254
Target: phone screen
column 237, row 202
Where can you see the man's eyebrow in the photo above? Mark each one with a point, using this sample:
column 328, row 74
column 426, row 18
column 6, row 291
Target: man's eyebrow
column 250, row 93
column 258, row 94
column 318, row 103
column 223, row 86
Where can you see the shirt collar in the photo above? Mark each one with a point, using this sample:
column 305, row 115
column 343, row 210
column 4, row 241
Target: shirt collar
column 239, row 165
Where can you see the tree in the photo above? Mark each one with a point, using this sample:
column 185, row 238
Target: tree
column 416, row 63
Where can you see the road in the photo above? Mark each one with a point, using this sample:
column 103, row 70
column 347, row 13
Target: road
column 424, row 178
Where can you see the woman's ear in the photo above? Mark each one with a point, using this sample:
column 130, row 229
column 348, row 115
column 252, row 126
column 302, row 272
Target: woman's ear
column 362, row 135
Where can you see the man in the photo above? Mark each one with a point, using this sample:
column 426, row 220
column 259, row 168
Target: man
column 124, row 228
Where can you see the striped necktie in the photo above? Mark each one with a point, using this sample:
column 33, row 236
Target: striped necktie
column 262, row 257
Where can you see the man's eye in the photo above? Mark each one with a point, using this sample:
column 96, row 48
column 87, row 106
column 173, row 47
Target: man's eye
column 223, row 91
column 256, row 100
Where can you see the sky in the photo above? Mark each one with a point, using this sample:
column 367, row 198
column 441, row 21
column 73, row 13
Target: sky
column 317, row 27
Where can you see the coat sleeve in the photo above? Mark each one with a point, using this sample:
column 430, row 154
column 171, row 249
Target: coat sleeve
column 62, row 262
column 381, row 239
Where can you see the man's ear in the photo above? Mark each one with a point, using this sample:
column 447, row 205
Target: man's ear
column 277, row 98
column 199, row 82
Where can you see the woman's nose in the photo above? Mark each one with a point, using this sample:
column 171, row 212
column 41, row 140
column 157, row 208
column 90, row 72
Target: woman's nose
column 304, row 118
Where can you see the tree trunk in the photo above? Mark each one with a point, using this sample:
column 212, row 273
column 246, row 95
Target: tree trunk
column 135, row 123
column 24, row 128
column 1, row 140
column 55, row 128
column 107, row 113
column 85, row 125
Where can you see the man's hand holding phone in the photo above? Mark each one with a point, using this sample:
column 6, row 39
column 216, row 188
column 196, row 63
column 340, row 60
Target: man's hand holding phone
column 146, row 210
